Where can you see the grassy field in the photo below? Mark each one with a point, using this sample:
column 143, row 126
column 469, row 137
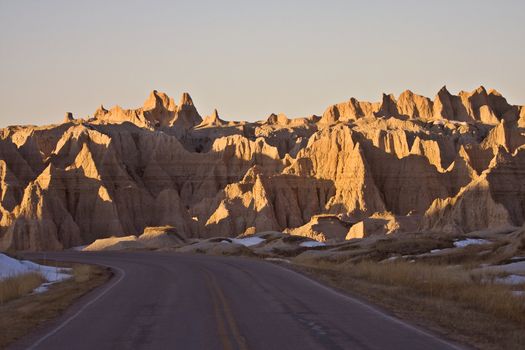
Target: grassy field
column 471, row 289
column 26, row 312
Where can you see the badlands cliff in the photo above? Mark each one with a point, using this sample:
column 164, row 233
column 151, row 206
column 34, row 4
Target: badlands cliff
column 453, row 164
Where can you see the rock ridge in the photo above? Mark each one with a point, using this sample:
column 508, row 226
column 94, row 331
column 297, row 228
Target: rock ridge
column 449, row 165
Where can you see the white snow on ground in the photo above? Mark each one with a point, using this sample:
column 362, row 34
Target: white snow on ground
column 248, row 241
column 458, row 244
column 79, row 248
column 512, row 268
column 518, row 293
column 511, row 279
column 10, row 267
column 278, row 260
column 443, row 251
column 469, row 241
column 43, row 287
column 311, row 244
column 390, row 259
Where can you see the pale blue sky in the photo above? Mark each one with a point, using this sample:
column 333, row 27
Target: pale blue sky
column 250, row 58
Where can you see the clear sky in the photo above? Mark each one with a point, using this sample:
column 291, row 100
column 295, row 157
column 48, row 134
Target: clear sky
column 250, row 58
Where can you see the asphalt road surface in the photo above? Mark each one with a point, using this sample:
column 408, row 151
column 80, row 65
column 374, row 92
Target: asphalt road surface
column 184, row 301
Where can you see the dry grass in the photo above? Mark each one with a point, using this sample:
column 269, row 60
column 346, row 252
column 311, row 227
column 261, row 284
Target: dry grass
column 20, row 316
column 450, row 301
column 444, row 282
column 82, row 273
column 19, row 285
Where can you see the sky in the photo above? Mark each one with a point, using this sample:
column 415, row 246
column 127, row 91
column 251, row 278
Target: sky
column 250, row 58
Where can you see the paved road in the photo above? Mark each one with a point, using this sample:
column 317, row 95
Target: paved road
column 175, row 301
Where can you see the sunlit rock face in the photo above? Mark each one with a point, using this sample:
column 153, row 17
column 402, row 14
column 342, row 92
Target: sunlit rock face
column 454, row 163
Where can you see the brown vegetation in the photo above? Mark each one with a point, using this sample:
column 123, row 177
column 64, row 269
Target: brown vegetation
column 444, row 282
column 19, row 285
column 19, row 316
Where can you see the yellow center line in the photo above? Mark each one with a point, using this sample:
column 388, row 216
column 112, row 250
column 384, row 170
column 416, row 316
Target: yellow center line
column 221, row 326
column 231, row 321
column 240, row 340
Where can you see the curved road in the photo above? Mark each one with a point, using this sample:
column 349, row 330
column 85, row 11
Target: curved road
column 183, row 301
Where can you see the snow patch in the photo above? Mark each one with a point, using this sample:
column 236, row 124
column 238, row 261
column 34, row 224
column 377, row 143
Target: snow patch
column 10, row 267
column 311, row 244
column 470, row 241
column 79, row 248
column 459, row 244
column 248, row 241
column 390, row 259
column 511, row 280
column 279, row 260
column 43, row 287
column 512, row 268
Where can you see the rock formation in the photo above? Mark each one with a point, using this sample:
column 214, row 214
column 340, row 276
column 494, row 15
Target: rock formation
column 453, row 164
